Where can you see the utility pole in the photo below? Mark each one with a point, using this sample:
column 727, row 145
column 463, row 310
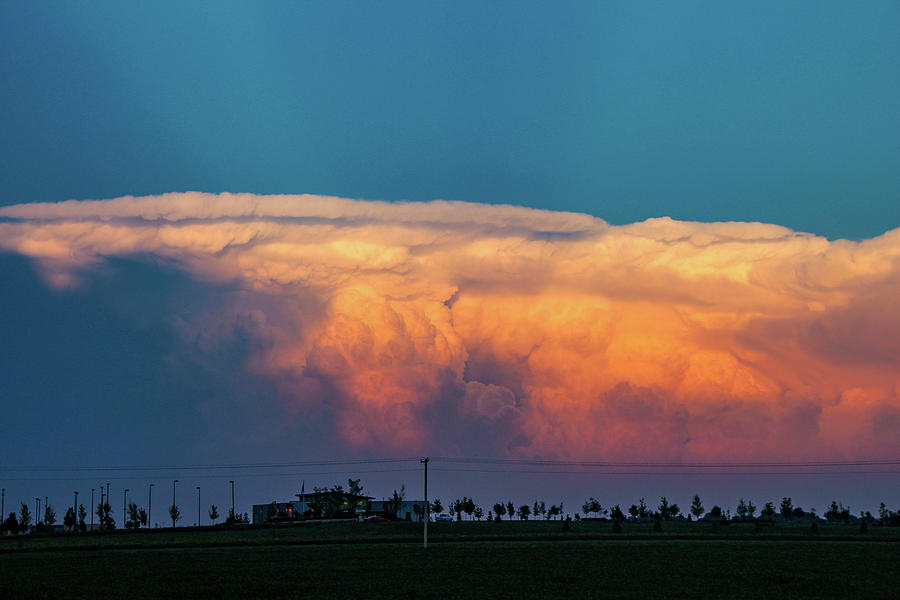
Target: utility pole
column 125, row 507
column 46, row 504
column 198, row 506
column 233, row 518
column 427, row 510
column 2, row 504
column 37, row 512
column 100, row 516
column 106, row 512
column 150, row 507
column 92, row 509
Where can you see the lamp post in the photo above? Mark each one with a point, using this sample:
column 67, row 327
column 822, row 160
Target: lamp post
column 106, row 512
column 46, row 504
column 150, row 507
column 2, row 503
column 173, row 501
column 233, row 518
column 427, row 510
column 100, row 516
column 198, row 506
column 125, row 507
column 37, row 511
column 75, row 512
column 92, row 509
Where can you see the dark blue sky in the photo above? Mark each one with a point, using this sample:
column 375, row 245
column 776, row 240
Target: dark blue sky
column 771, row 111
column 768, row 111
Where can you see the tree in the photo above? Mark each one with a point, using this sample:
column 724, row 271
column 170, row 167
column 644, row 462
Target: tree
column 524, row 511
column 469, row 507
column 174, row 514
column 715, row 512
column 592, row 505
column 479, row 512
column 143, row 517
column 663, row 508
column 24, row 517
column 674, row 511
column 82, row 515
column 436, row 506
column 134, row 516
column 697, row 507
column 69, row 519
column 499, row 509
column 396, row 502
column 11, row 524
column 768, row 510
column 617, row 514
column 554, row 511
column 511, row 509
column 49, row 515
column 787, row 508
column 103, row 513
column 213, row 513
column 745, row 510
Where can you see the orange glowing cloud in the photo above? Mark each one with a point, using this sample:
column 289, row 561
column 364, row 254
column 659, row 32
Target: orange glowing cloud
column 527, row 332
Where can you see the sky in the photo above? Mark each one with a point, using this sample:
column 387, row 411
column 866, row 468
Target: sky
column 636, row 231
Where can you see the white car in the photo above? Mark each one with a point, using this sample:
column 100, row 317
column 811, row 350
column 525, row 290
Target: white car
column 443, row 517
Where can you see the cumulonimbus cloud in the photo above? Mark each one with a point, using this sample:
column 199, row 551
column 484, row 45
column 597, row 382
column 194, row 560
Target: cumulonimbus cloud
column 521, row 331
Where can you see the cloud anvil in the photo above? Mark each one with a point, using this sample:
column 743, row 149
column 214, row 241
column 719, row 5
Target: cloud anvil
column 526, row 331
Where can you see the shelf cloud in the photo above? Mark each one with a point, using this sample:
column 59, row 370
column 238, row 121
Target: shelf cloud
column 451, row 326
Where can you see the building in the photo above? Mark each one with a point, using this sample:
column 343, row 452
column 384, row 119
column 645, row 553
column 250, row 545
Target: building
column 334, row 504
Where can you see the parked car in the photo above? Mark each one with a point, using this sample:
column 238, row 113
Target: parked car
column 375, row 519
column 443, row 517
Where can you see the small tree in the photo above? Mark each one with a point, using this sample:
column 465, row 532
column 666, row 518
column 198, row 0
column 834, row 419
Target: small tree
column 715, row 513
column 617, row 514
column 469, row 507
column 436, row 506
column 24, row 517
column 143, row 516
column 511, row 509
column 697, row 507
column 396, row 502
column 49, row 515
column 787, row 508
column 174, row 514
column 69, row 519
column 592, row 505
column 478, row 512
column 524, row 511
column 134, row 516
column 213, row 513
column 499, row 509
column 82, row 515
column 663, row 508
column 11, row 524
column 768, row 510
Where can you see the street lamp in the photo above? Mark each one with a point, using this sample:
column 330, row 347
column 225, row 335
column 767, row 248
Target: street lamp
column 198, row 506
column 92, row 509
column 150, row 506
column 75, row 512
column 125, row 507
column 100, row 516
column 46, row 504
column 173, row 502
column 107, row 498
column 37, row 511
column 232, row 502
column 2, row 503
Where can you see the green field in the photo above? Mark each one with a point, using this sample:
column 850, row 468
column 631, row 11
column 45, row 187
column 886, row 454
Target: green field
column 463, row 560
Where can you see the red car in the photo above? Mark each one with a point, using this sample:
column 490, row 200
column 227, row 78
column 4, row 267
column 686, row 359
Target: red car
column 375, row 519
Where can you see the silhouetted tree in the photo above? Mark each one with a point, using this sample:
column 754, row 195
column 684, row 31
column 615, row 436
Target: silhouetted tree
column 715, row 513
column 499, row 509
column 617, row 515
column 436, row 506
column 143, row 517
column 663, row 508
column 745, row 510
column 524, row 511
column 697, row 507
column 787, row 508
column 134, row 516
column 798, row 513
column 174, row 514
column 213, row 513
column 11, row 524
column 768, row 510
column 69, row 519
column 469, row 507
column 511, row 509
column 396, row 502
column 592, row 505
column 478, row 512
column 49, row 515
column 24, row 517
column 82, row 515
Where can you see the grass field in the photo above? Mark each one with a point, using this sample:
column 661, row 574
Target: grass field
column 464, row 560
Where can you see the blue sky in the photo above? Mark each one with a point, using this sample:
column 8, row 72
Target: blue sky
column 784, row 112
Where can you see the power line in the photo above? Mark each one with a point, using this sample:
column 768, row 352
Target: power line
column 318, row 463
column 671, row 464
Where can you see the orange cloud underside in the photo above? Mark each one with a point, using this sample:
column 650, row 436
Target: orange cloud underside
column 547, row 334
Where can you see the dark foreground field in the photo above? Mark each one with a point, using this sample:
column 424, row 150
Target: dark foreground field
column 463, row 561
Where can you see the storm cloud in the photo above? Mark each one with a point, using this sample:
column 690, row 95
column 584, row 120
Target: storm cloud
column 523, row 332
